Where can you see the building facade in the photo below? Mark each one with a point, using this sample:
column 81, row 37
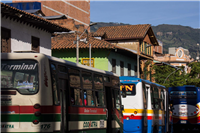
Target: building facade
column 22, row 31
column 176, row 57
column 76, row 10
column 137, row 38
column 104, row 55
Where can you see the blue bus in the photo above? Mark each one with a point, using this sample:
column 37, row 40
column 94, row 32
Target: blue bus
column 185, row 107
column 145, row 106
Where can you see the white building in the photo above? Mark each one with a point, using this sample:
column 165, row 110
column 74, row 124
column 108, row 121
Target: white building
column 22, row 31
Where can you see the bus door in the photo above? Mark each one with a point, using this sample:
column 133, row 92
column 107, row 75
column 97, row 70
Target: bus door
column 109, row 107
column 62, row 85
column 117, row 119
column 145, row 99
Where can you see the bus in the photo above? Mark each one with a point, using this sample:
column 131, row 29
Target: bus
column 41, row 93
column 145, row 106
column 185, row 107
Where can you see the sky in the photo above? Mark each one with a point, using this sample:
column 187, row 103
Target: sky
column 156, row 12
column 185, row 13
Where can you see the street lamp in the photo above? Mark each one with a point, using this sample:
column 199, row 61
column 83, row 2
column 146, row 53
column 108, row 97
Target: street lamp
column 172, row 72
column 77, row 42
column 197, row 58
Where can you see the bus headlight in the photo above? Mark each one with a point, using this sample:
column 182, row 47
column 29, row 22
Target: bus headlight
column 127, row 118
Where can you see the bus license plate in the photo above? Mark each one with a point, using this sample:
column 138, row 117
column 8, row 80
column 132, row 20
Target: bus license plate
column 183, row 122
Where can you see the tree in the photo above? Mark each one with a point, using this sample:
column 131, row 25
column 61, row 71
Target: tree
column 194, row 75
column 170, row 76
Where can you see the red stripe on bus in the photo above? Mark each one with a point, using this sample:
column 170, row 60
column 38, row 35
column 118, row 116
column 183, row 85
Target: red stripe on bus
column 30, row 109
column 133, row 118
column 138, row 117
column 85, row 110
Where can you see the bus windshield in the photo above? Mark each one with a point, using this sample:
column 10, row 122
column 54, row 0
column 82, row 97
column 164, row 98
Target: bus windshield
column 130, row 89
column 21, row 75
column 183, row 94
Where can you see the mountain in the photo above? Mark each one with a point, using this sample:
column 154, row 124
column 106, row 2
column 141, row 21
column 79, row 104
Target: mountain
column 170, row 35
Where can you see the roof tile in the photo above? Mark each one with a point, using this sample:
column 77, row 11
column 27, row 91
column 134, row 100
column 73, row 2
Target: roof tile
column 125, row 31
column 65, row 41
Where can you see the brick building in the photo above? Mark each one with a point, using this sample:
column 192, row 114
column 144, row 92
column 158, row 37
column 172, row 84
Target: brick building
column 76, row 10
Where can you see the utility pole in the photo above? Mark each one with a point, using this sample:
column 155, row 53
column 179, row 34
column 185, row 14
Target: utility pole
column 77, row 42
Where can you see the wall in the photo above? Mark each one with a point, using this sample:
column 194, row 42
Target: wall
column 77, row 10
column 99, row 55
column 21, row 36
column 102, row 59
column 125, row 59
column 130, row 44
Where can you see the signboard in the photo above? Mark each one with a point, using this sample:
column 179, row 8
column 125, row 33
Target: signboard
column 86, row 61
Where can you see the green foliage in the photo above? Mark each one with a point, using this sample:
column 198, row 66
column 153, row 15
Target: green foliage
column 168, row 76
column 194, row 75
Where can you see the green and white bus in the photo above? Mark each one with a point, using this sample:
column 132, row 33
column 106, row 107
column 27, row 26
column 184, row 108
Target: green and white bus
column 41, row 93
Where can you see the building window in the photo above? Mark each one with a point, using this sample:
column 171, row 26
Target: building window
column 129, row 69
column 5, row 40
column 113, row 65
column 122, row 68
column 135, row 69
column 35, row 44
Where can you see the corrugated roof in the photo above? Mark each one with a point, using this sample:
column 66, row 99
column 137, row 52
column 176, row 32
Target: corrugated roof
column 33, row 20
column 125, row 31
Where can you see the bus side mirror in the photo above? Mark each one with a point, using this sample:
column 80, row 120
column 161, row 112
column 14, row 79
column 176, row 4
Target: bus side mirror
column 123, row 92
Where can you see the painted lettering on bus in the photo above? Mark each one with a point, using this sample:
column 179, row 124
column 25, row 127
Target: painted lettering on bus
column 90, row 111
column 90, row 124
column 127, row 87
column 19, row 67
column 7, row 126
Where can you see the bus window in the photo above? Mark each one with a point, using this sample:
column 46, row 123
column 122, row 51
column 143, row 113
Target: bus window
column 106, row 79
column 88, row 98
column 98, row 82
column 99, row 98
column 77, row 97
column 115, row 82
column 152, row 98
column 156, row 98
column 75, row 87
column 15, row 74
column 130, row 88
column 117, row 99
column 74, row 78
column 54, row 85
column 144, row 95
column 62, row 69
column 99, row 90
column 87, row 80
column 162, row 100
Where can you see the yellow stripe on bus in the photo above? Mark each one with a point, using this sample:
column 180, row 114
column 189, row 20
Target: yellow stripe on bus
column 143, row 111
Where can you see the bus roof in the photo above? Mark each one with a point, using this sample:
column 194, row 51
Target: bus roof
column 134, row 79
column 183, row 88
column 80, row 65
column 31, row 55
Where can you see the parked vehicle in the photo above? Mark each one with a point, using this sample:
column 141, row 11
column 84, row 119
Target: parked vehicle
column 185, row 107
column 41, row 93
column 145, row 106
